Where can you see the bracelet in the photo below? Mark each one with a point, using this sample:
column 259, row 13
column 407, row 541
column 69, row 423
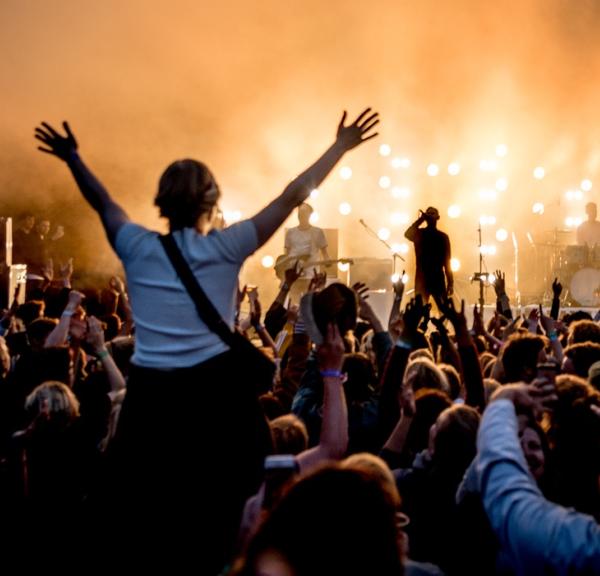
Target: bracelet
column 331, row 374
column 68, row 312
column 103, row 354
column 285, row 286
column 553, row 335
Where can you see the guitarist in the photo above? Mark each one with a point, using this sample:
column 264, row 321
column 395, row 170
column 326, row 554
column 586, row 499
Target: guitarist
column 305, row 242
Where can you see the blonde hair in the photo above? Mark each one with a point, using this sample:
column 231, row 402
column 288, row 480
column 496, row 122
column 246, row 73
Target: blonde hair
column 55, row 399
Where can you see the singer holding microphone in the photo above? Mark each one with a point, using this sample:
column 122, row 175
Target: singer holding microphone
column 433, row 276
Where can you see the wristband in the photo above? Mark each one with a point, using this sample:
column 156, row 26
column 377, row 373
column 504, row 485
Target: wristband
column 553, row 335
column 103, row 354
column 331, row 374
column 258, row 327
column 68, row 312
column 285, row 286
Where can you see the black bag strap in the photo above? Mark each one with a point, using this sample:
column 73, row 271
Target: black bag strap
column 205, row 308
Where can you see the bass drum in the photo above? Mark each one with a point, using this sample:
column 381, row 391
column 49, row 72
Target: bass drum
column 585, row 287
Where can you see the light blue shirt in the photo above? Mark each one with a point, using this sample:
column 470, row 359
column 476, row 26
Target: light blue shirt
column 535, row 535
column 169, row 333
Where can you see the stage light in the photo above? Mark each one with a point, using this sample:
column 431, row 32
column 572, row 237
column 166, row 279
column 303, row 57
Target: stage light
column 586, row 185
column 539, row 173
column 396, row 248
column 433, row 169
column 400, row 192
column 454, row 211
column 314, row 194
column 570, row 195
column 267, row 261
column 405, row 279
column 488, row 194
column 487, row 249
column 395, row 277
column 314, row 218
column 404, row 248
column 488, row 165
column 454, row 264
column 345, row 172
column 232, row 216
column 501, row 150
column 404, row 162
column 578, row 195
column 385, row 149
column 453, row 168
column 345, row 208
column 491, row 278
column 385, row 182
column 384, row 233
column 398, row 218
column 343, row 266
column 538, row 208
column 396, row 162
column 501, row 184
column 501, row 234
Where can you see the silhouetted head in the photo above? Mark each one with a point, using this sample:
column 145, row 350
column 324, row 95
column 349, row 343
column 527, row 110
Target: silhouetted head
column 186, row 190
column 591, row 210
column 432, row 215
column 304, row 213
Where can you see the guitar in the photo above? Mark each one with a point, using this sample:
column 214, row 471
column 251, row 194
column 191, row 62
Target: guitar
column 284, row 262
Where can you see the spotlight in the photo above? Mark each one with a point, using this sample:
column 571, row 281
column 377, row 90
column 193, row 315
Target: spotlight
column 454, row 211
column 501, row 150
column 267, row 261
column 384, row 233
column 314, row 218
column 433, row 169
column 345, row 208
column 501, row 184
column 586, row 185
column 314, row 194
column 385, row 182
column 398, row 218
column 405, row 279
column 539, row 173
column 343, row 266
column 345, row 172
column 538, row 208
column 501, row 234
column 491, row 279
column 385, row 149
column 395, row 277
column 454, row 264
column 453, row 168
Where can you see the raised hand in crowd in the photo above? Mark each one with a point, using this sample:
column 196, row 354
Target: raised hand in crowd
column 66, row 272
column 95, row 338
column 500, row 283
column 358, row 132
column 60, row 146
column 292, row 274
column 59, row 334
column 532, row 320
column 534, row 398
column 458, row 320
column 365, row 310
column 395, row 310
column 318, row 281
column 414, row 312
column 556, row 292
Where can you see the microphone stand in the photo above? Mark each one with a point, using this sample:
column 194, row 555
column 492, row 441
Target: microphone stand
column 375, row 235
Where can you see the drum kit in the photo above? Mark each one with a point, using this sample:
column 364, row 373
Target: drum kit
column 578, row 268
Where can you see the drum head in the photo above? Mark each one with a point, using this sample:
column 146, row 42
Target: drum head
column 585, row 286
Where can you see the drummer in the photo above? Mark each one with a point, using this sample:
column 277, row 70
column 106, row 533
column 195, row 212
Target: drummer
column 588, row 233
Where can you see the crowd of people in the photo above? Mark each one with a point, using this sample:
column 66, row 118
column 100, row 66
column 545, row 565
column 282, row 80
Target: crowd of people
column 415, row 444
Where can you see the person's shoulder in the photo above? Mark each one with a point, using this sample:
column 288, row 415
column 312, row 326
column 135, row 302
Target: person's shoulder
column 129, row 236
